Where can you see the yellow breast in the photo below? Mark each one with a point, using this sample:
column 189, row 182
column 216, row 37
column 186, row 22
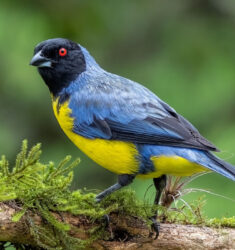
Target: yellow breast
column 117, row 156
column 121, row 157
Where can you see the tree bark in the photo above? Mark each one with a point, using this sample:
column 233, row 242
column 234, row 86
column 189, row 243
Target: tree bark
column 125, row 232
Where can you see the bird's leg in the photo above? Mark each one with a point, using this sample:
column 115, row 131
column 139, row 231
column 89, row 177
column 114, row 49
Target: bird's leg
column 160, row 184
column 123, row 180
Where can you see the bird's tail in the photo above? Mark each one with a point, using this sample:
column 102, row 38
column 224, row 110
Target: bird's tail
column 222, row 167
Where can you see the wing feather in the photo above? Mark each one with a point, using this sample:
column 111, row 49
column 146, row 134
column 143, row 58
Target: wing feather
column 115, row 108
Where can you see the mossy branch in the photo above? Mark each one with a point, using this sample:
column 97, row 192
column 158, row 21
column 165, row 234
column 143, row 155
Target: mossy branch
column 38, row 209
column 124, row 232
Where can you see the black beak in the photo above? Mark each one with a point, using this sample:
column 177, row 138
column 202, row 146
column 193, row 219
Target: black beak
column 40, row 61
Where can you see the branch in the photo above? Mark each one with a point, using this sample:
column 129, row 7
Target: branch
column 124, row 232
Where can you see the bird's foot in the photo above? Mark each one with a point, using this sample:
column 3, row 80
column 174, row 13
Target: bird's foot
column 106, row 220
column 155, row 227
column 97, row 200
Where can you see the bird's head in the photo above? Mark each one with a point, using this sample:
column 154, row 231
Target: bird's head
column 59, row 62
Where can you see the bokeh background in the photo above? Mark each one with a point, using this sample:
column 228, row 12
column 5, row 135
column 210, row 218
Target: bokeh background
column 183, row 50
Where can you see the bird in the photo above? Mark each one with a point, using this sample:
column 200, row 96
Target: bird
column 119, row 123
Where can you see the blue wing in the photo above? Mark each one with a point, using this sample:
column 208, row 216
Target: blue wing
column 111, row 107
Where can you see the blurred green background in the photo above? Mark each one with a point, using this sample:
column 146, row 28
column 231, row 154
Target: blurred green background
column 182, row 50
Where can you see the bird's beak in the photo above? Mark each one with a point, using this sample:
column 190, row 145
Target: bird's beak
column 40, row 61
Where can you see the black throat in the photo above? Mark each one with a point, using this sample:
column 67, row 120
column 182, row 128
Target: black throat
column 57, row 82
column 61, row 74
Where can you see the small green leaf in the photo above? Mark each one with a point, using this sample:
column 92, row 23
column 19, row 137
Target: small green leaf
column 17, row 216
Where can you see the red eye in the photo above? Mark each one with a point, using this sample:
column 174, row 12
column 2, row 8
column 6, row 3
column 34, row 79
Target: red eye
column 63, row 52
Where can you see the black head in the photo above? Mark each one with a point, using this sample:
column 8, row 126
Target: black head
column 59, row 62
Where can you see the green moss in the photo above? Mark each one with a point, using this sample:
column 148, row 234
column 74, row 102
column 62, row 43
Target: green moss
column 43, row 188
column 221, row 222
column 126, row 202
column 192, row 214
column 184, row 213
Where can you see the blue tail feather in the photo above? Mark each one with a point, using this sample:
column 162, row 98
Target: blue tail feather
column 222, row 167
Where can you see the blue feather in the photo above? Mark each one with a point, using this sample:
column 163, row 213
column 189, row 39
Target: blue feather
column 193, row 155
column 108, row 106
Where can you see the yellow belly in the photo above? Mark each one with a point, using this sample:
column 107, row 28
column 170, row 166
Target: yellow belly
column 117, row 156
column 121, row 157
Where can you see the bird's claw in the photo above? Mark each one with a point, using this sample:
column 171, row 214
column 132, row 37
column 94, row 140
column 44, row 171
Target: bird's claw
column 155, row 227
column 106, row 220
column 97, row 199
